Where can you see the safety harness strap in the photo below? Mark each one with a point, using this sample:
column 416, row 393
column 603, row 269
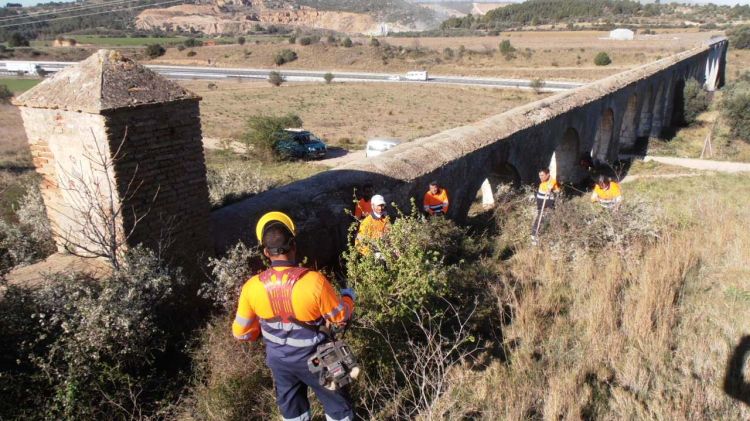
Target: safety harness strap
column 279, row 285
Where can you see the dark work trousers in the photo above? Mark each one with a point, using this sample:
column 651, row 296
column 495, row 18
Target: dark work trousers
column 548, row 207
column 292, row 379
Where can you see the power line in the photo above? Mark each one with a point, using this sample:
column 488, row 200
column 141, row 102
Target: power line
column 92, row 14
column 62, row 10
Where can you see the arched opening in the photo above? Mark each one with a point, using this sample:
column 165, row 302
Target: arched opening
column 644, row 122
column 503, row 177
column 604, row 134
column 564, row 165
column 629, row 125
column 678, row 105
column 657, row 116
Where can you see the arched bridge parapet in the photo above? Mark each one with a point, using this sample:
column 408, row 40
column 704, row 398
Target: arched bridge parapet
column 523, row 139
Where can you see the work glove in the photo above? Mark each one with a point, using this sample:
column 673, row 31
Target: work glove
column 349, row 293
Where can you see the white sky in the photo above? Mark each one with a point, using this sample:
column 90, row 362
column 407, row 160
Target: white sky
column 723, row 2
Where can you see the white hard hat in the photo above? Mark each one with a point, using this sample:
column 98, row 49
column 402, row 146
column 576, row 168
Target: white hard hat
column 377, row 200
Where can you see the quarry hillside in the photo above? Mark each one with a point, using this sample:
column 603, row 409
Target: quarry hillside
column 241, row 16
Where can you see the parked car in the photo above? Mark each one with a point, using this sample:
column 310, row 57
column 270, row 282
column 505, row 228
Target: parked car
column 300, row 144
column 377, row 146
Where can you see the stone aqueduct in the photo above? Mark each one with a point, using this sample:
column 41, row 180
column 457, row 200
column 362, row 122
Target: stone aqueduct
column 603, row 118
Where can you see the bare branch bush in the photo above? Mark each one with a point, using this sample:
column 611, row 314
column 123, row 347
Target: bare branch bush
column 96, row 207
column 425, row 352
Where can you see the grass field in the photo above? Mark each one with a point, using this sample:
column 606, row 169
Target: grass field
column 646, row 331
column 347, row 114
column 18, row 86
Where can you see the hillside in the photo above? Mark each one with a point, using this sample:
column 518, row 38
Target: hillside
column 602, row 12
column 240, row 16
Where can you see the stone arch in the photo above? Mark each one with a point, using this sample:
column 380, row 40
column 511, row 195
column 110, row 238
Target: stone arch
column 565, row 158
column 502, row 174
column 677, row 118
column 629, row 124
column 657, row 115
column 644, row 121
column 604, row 134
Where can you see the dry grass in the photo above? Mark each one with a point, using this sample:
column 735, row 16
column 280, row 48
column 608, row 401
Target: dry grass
column 347, row 114
column 553, row 55
column 690, row 141
column 639, row 334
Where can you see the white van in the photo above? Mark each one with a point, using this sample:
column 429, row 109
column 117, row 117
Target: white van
column 416, row 75
column 377, row 146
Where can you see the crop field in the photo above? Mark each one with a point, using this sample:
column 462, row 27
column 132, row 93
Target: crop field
column 18, row 86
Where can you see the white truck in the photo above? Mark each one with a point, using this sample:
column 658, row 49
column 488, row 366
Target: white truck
column 25, row 67
column 416, row 75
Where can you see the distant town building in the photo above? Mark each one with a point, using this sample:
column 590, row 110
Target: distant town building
column 13, row 5
column 621, row 34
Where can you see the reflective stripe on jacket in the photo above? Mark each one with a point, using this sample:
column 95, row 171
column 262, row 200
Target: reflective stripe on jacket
column 547, row 189
column 436, row 202
column 313, row 301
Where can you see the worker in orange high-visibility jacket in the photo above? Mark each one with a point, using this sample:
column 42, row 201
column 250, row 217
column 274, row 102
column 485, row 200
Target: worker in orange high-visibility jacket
column 364, row 207
column 545, row 197
column 286, row 305
column 374, row 226
column 607, row 193
column 436, row 200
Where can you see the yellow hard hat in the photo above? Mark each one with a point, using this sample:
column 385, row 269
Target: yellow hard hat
column 273, row 217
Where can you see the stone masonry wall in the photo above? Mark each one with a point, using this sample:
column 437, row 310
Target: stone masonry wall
column 61, row 143
column 523, row 139
column 161, row 176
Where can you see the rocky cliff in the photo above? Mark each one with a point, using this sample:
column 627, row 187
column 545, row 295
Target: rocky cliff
column 240, row 16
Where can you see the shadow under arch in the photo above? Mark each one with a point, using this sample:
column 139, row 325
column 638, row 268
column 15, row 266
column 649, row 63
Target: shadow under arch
column 647, row 109
column 657, row 115
column 677, row 118
column 502, row 174
column 629, row 125
column 604, row 135
column 564, row 164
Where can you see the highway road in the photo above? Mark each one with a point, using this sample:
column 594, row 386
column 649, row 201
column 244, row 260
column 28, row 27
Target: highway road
column 218, row 73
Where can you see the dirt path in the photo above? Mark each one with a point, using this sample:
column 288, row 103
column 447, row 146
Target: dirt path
column 702, row 164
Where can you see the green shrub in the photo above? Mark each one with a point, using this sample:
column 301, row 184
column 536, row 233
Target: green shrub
column 180, row 47
column 347, row 42
column 191, row 53
column 537, row 84
column 192, row 43
column 374, row 42
column 602, row 59
column 30, row 239
column 284, row 56
column 89, row 349
column 696, row 100
column 155, row 50
column 275, row 78
column 241, row 40
column 262, row 133
column 448, row 53
column 17, row 40
column 413, row 272
column 328, row 77
column 735, row 108
column 305, row 41
column 740, row 37
column 506, row 48
column 5, row 93
column 292, row 39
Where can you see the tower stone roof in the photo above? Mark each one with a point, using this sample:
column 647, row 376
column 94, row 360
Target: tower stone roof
column 104, row 81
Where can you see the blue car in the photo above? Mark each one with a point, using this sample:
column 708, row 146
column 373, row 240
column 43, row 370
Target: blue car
column 300, row 144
